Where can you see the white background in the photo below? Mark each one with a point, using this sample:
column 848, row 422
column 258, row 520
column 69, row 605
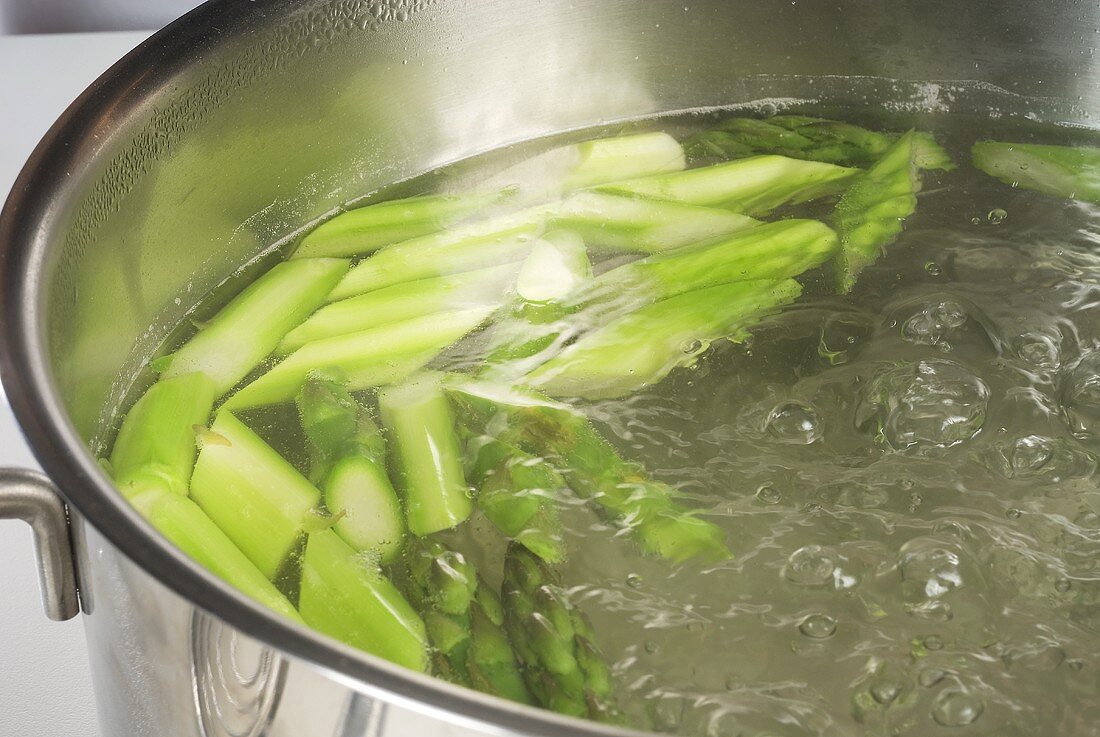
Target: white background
column 45, row 687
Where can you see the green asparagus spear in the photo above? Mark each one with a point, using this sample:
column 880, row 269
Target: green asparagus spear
column 405, row 301
column 554, row 641
column 579, row 165
column 366, row 229
column 516, row 492
column 468, row 247
column 771, row 252
column 252, row 493
column 871, row 214
column 464, row 621
column 621, row 223
column 754, row 186
column 593, row 469
column 181, row 521
column 642, row 347
column 155, row 447
column 1062, row 171
column 349, row 460
column 369, row 358
column 427, row 455
column 249, row 328
column 347, row 597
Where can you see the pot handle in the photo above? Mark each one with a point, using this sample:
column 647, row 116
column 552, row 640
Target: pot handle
column 30, row 496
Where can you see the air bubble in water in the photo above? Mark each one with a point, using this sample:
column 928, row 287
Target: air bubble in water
column 1041, row 350
column 633, row 580
column 929, row 568
column 818, row 626
column 930, row 404
column 768, row 494
column 1062, row 585
column 885, row 691
column 794, row 423
column 933, row 268
column 932, row 642
column 811, row 565
column 957, row 709
column 935, row 324
column 1081, row 395
column 842, row 335
column 996, row 216
column 929, row 677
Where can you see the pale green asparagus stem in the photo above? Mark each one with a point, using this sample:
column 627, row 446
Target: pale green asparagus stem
column 155, row 447
column 249, row 328
column 347, row 597
column 405, row 301
column 427, row 455
column 1072, row 172
column 562, row 665
column 348, row 456
column 252, row 493
column 641, row 348
column 366, row 229
column 592, row 468
column 374, row 357
column 627, row 223
column 754, row 186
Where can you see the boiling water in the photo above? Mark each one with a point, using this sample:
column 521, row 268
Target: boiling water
column 906, row 476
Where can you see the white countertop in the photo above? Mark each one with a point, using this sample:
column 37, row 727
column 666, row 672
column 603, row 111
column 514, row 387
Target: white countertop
column 45, row 687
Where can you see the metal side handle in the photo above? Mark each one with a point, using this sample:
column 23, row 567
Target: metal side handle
column 30, row 496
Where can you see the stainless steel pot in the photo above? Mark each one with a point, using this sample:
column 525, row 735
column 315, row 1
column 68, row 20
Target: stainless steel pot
column 246, row 118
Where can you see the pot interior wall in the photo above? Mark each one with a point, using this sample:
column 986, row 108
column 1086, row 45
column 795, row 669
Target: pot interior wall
column 240, row 128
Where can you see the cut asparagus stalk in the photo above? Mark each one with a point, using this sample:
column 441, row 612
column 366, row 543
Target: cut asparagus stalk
column 592, row 468
column 252, row 493
column 345, row 597
column 643, row 225
column 872, row 213
column 427, row 456
column 155, row 446
column 478, row 245
column 1072, row 172
column 375, row 357
column 405, row 301
column 575, row 166
column 182, row 521
column 754, row 186
column 349, row 459
column 641, row 348
column 554, row 641
column 366, row 229
column 557, row 266
column 516, row 493
column 249, row 328
column 770, row 252
column 464, row 621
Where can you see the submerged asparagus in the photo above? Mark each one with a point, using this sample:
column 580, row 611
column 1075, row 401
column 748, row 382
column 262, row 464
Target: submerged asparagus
column 1062, row 171
column 249, row 328
column 427, row 456
column 155, row 447
column 562, row 665
column 252, row 493
column 753, row 186
column 641, row 348
column 366, row 229
column 593, row 469
column 346, row 597
column 348, row 456
column 516, row 492
column 464, row 621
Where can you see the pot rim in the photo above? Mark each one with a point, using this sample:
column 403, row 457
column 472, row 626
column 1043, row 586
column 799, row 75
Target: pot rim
column 44, row 188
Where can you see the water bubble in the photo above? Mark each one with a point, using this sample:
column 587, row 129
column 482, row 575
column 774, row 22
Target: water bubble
column 1029, row 454
column 794, row 423
column 811, row 565
column 885, row 691
column 1040, row 350
column 1062, row 585
column 957, row 709
column 1081, row 395
column 934, row 324
column 929, row 677
column 934, row 610
column 933, row 268
column 842, row 335
column 927, row 405
column 633, row 580
column 651, row 647
column 768, row 494
column 996, row 216
column 1013, row 513
column 932, row 642
column 930, row 567
column 1039, row 458
column 818, row 626
column 1034, row 656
